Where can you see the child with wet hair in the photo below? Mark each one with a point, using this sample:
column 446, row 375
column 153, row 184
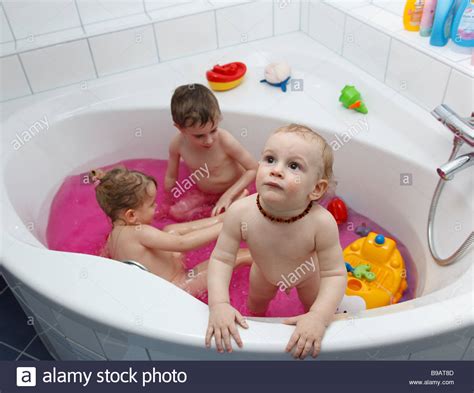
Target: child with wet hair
column 218, row 162
column 293, row 240
column 128, row 198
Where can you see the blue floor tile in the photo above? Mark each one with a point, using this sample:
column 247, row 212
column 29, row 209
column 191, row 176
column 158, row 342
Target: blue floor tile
column 15, row 330
column 7, row 353
column 38, row 350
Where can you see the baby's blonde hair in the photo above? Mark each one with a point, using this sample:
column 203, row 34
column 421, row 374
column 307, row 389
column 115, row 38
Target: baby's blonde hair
column 120, row 189
column 326, row 172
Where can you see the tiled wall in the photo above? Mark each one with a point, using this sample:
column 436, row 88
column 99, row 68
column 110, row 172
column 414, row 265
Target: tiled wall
column 46, row 45
column 371, row 36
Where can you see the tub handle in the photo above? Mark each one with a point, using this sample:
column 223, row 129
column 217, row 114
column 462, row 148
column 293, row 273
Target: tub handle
column 137, row 264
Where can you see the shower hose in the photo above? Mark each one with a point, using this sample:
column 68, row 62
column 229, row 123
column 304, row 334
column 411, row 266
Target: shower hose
column 434, row 204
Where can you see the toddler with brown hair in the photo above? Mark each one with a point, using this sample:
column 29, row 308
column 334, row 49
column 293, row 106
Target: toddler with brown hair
column 218, row 162
column 128, row 198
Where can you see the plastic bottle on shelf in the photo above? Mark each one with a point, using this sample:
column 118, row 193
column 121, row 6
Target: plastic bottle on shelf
column 462, row 32
column 442, row 23
column 412, row 14
column 426, row 23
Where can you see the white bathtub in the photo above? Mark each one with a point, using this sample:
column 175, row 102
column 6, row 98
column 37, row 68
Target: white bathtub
column 88, row 308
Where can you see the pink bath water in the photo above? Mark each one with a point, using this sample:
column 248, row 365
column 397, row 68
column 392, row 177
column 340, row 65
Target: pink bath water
column 77, row 224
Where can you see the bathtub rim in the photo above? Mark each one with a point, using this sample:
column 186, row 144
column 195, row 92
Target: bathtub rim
column 376, row 323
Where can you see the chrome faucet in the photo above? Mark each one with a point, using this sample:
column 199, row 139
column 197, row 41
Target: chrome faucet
column 448, row 170
column 463, row 130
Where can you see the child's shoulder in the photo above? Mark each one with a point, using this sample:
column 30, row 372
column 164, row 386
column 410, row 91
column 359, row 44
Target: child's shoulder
column 321, row 216
column 127, row 234
column 324, row 225
column 145, row 234
column 223, row 131
column 226, row 136
column 141, row 230
column 175, row 143
column 241, row 206
column 231, row 145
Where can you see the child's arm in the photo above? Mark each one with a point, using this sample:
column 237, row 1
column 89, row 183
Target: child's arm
column 235, row 150
column 222, row 315
column 186, row 227
column 153, row 238
column 310, row 327
column 172, row 171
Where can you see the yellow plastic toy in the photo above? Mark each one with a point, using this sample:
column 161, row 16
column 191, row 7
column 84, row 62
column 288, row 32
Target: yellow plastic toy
column 227, row 76
column 376, row 270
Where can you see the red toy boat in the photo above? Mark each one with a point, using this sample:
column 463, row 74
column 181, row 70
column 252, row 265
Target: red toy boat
column 227, row 76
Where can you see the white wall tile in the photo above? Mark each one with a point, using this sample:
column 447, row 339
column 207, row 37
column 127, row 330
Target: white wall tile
column 394, row 6
column 160, row 11
column 450, row 53
column 416, row 75
column 326, row 25
column 124, row 50
column 160, row 4
column 58, row 65
column 29, row 17
column 13, row 79
column 366, row 47
column 243, row 23
column 49, row 39
column 373, row 15
column 467, row 65
column 7, row 48
column 348, row 5
column 186, row 36
column 460, row 93
column 286, row 16
column 305, row 15
column 118, row 24
column 5, row 32
column 93, row 11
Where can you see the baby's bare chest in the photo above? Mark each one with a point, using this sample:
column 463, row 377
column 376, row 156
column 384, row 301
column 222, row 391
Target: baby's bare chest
column 280, row 241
